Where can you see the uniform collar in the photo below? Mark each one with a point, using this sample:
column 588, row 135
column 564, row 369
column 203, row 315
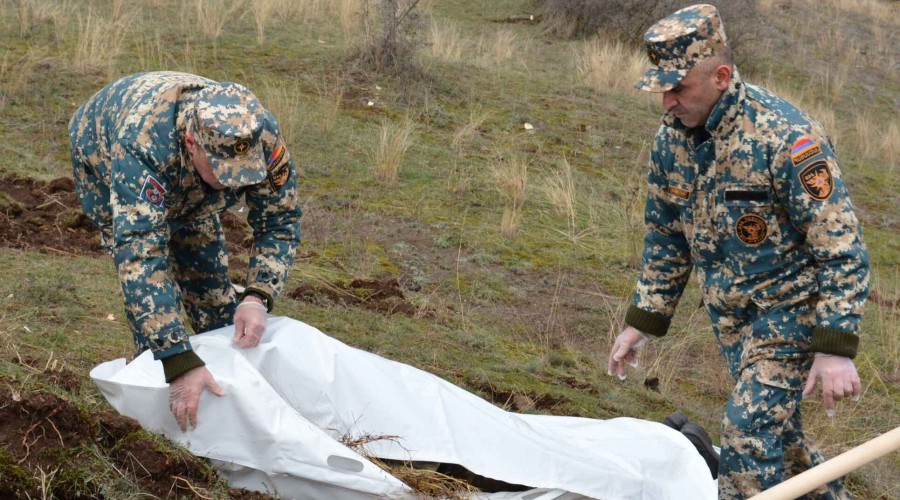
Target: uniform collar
column 721, row 118
column 725, row 113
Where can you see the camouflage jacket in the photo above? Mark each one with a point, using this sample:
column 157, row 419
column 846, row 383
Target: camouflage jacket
column 132, row 134
column 756, row 203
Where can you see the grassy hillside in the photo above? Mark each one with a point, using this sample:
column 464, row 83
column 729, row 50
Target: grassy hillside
column 478, row 215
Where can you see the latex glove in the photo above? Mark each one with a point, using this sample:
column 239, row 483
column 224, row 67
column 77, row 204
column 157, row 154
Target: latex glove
column 624, row 351
column 184, row 395
column 249, row 322
column 839, row 380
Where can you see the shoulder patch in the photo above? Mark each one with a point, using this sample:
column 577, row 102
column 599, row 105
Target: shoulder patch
column 817, row 181
column 751, row 229
column 278, row 166
column 153, row 191
column 804, row 149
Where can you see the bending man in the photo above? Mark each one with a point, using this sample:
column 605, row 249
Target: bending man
column 156, row 158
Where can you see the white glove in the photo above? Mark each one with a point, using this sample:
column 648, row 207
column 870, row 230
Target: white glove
column 624, row 351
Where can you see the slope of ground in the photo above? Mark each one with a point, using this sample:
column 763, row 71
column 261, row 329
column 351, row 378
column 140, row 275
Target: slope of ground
column 513, row 295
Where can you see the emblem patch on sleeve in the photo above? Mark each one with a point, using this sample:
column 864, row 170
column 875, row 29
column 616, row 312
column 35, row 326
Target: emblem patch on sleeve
column 682, row 193
column 804, row 149
column 817, row 180
column 751, row 229
column 278, row 166
column 153, row 191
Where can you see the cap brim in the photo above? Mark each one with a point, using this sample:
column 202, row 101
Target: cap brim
column 244, row 170
column 659, row 80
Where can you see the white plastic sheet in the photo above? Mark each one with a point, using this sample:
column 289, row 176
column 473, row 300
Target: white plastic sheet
column 291, row 398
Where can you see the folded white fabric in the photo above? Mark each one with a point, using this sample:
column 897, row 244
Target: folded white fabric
column 291, row 398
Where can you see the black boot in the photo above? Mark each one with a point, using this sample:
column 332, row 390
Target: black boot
column 676, row 420
column 700, row 439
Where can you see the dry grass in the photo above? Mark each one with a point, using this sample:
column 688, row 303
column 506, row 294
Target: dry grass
column 100, row 41
column 467, row 131
column 284, row 100
column 511, row 179
column 32, row 13
column 446, row 42
column 604, row 65
column 330, row 97
column 618, row 212
column 875, row 9
column 16, row 74
column 262, row 13
column 349, row 13
column 424, row 481
column 395, row 140
column 499, row 48
column 559, row 187
column 213, row 15
column 890, row 141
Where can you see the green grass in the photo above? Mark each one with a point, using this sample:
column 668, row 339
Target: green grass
column 531, row 315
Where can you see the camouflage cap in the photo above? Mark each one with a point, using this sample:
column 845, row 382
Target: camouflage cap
column 679, row 42
column 228, row 121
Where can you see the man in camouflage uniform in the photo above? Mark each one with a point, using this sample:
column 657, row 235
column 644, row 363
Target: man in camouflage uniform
column 157, row 157
column 745, row 189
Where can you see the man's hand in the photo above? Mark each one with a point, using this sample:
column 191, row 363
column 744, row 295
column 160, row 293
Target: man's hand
column 184, row 395
column 249, row 322
column 839, row 380
column 624, row 351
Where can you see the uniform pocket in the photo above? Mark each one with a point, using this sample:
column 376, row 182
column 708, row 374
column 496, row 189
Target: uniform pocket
column 748, row 225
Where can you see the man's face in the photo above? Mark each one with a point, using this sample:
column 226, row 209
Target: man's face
column 201, row 164
column 693, row 99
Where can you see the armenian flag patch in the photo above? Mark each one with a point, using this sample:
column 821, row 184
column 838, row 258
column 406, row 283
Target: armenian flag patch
column 278, row 166
column 153, row 191
column 804, row 149
column 817, row 180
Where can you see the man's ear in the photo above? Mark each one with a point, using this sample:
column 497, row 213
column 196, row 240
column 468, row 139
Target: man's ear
column 722, row 76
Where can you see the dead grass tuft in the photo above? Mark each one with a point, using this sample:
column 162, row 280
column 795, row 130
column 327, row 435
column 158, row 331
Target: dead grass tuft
column 559, row 187
column 604, row 65
column 395, row 140
column 262, row 13
column 100, row 41
column 423, row 481
column 446, row 41
column 511, row 178
column 466, row 132
column 213, row 15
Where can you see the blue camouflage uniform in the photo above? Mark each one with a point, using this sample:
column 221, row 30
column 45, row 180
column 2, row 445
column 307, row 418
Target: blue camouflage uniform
column 160, row 220
column 755, row 204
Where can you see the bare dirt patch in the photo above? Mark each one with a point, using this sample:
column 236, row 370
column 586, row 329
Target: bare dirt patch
column 43, row 435
column 383, row 296
column 47, row 217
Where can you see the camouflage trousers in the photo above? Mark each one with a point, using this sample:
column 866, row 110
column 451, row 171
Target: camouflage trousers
column 767, row 352
column 763, row 442
column 196, row 252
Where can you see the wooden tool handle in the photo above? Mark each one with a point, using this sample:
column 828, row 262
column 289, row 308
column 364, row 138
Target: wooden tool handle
column 836, row 467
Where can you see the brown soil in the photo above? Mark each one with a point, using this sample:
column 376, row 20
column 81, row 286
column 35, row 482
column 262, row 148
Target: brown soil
column 47, row 217
column 43, row 435
column 383, row 296
column 526, row 401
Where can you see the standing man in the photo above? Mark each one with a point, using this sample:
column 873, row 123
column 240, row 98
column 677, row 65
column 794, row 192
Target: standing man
column 157, row 157
column 745, row 189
